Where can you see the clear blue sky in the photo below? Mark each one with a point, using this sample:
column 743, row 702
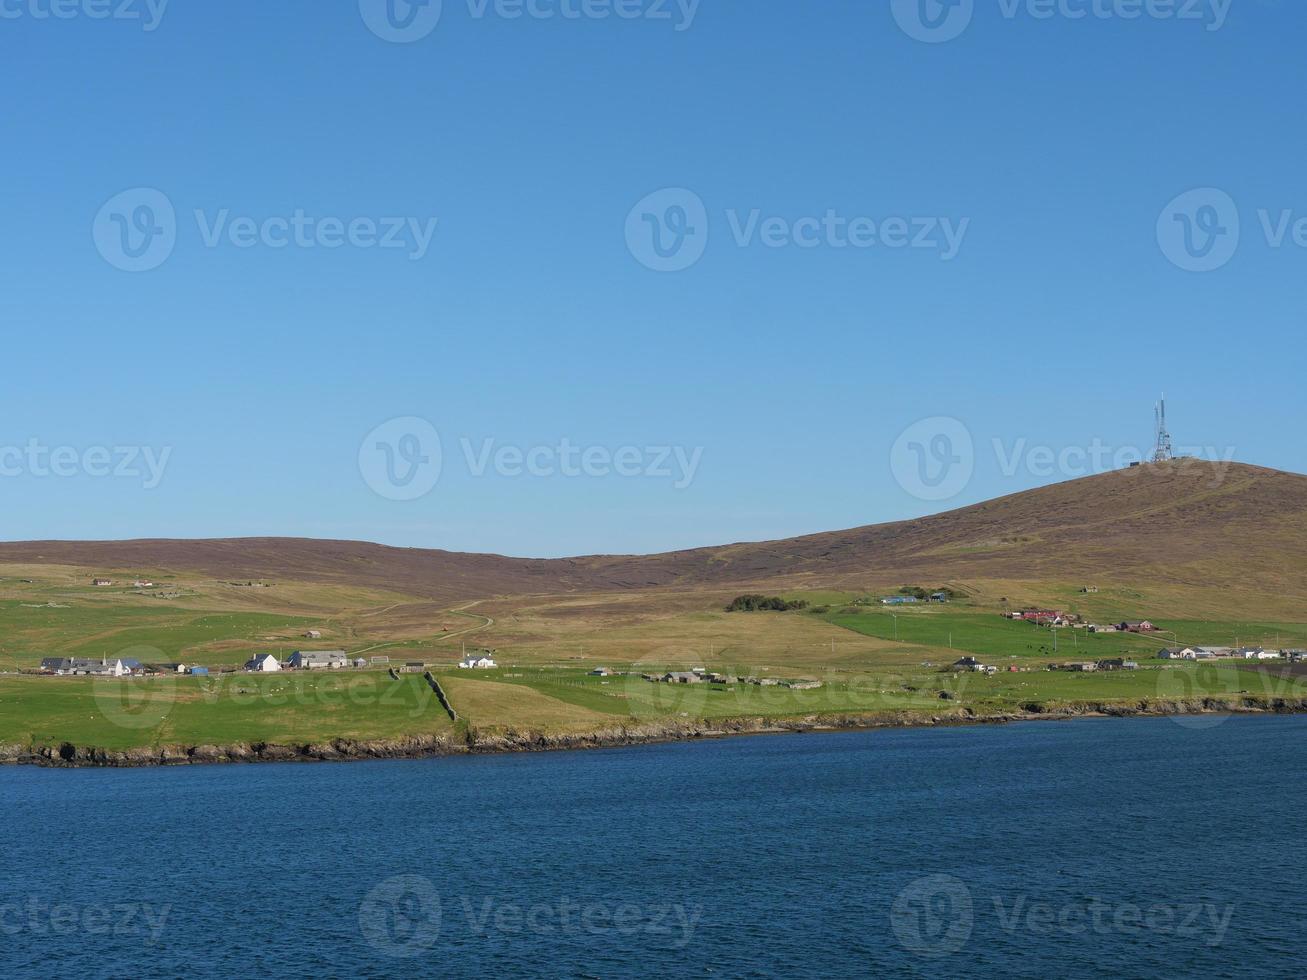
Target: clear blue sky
column 531, row 318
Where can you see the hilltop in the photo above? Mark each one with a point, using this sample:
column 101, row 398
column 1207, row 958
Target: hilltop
column 1186, row 524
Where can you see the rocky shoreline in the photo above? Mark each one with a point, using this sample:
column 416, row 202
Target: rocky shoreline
column 68, row 755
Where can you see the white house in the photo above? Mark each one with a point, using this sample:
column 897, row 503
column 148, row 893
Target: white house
column 1257, row 653
column 263, row 662
column 475, row 661
column 87, row 667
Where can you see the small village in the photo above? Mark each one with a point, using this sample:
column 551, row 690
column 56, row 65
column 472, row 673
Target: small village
column 263, row 663
column 340, row 660
column 1056, row 619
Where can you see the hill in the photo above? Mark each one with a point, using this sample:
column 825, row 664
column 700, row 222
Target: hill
column 1186, row 524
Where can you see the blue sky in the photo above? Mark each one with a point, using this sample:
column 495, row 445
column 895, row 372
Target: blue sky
column 799, row 378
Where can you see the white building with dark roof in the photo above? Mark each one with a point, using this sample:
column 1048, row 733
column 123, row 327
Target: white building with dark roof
column 264, row 662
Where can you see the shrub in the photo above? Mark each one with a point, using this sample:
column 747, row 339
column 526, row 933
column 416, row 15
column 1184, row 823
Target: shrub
column 756, row 602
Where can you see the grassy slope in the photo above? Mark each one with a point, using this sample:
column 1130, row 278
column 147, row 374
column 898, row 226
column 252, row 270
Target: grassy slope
column 1215, row 562
column 548, row 645
column 1189, row 525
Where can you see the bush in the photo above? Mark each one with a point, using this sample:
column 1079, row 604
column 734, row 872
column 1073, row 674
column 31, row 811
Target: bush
column 756, row 602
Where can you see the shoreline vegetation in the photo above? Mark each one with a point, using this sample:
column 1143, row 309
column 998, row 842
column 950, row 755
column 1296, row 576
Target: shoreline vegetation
column 483, row 742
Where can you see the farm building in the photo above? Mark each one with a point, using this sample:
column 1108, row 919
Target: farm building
column 1198, row 653
column 69, row 666
column 477, row 661
column 682, row 677
column 313, row 634
column 264, row 662
column 939, row 597
column 1257, row 653
column 1143, row 626
column 898, row 600
column 602, row 672
column 318, row 660
column 101, row 582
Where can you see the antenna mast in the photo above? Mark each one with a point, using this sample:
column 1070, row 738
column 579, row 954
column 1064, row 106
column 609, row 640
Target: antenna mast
column 1163, row 453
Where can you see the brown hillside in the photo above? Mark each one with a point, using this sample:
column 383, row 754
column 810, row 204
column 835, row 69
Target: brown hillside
column 1186, row 523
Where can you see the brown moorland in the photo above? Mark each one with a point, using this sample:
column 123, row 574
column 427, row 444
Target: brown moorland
column 1184, row 525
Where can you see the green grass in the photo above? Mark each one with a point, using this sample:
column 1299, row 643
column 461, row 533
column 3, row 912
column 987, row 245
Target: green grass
column 226, row 708
column 635, row 699
column 147, row 633
column 638, row 699
column 990, row 635
column 296, row 708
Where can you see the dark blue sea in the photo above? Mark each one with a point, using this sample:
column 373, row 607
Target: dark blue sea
column 1134, row 848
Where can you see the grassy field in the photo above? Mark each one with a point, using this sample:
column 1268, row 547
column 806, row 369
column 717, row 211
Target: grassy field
column 224, row 709
column 869, row 659
column 990, row 635
column 210, row 623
